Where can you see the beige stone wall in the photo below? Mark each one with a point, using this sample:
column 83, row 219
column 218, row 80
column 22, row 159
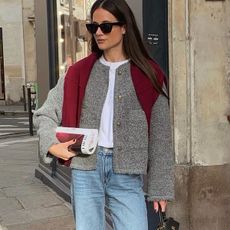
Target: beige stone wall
column 199, row 48
column 18, row 45
column 11, row 22
column 29, row 40
column 210, row 98
column 199, row 66
column 179, row 69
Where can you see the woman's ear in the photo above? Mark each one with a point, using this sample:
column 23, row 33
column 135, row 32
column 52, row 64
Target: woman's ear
column 123, row 30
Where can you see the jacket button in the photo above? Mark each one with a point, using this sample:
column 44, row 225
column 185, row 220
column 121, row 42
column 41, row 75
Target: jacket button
column 119, row 97
column 118, row 123
column 119, row 148
column 119, row 72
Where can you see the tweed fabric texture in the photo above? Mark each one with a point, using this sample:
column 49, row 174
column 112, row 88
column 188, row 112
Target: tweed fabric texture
column 133, row 152
column 130, row 131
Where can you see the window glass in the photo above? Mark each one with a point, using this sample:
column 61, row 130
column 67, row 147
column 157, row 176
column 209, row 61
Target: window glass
column 72, row 35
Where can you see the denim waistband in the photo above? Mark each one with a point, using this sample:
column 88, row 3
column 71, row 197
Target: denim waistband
column 104, row 150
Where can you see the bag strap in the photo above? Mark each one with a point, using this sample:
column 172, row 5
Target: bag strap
column 162, row 215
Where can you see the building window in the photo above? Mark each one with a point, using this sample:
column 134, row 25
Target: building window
column 72, row 34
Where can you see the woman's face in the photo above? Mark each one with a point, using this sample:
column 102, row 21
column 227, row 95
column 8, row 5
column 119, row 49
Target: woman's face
column 112, row 41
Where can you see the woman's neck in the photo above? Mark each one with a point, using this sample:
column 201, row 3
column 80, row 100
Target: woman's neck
column 114, row 57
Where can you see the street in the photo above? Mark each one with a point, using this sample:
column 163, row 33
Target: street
column 13, row 125
column 25, row 202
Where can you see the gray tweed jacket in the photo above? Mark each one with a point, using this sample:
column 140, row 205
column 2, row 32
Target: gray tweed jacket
column 134, row 152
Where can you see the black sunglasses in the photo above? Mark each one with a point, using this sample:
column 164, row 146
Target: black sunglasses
column 105, row 27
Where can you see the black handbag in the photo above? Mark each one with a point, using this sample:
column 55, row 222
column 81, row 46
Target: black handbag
column 167, row 223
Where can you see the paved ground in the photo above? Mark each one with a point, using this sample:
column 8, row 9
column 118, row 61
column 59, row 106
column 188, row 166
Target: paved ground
column 11, row 125
column 13, row 109
column 25, row 202
column 14, row 121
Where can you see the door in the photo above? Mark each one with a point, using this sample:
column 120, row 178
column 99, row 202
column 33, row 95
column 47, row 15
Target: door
column 2, row 84
column 155, row 31
column 155, row 35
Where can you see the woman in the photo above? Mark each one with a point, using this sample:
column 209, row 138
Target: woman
column 118, row 90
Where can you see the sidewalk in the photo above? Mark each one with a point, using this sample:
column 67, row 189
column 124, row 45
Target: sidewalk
column 13, row 121
column 12, row 110
column 25, row 202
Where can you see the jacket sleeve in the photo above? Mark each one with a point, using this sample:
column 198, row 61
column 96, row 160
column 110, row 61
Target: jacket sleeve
column 47, row 118
column 161, row 157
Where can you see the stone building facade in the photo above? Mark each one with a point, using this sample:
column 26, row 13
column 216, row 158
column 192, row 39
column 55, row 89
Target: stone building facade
column 199, row 75
column 18, row 46
column 199, row 33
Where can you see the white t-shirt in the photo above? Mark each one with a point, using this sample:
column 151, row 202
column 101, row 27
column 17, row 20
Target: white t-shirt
column 106, row 124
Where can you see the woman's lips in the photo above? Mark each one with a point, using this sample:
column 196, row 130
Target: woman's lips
column 100, row 41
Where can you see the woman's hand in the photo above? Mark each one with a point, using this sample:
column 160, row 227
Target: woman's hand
column 162, row 203
column 60, row 150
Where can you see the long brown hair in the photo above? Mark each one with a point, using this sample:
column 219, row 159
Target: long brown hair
column 133, row 45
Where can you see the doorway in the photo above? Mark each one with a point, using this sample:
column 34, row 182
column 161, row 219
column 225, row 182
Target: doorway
column 155, row 36
column 155, row 31
column 2, row 83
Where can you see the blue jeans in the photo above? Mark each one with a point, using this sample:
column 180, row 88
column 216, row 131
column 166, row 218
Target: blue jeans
column 122, row 193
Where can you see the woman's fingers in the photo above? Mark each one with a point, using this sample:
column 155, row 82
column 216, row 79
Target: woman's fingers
column 161, row 203
column 68, row 143
column 60, row 150
column 156, row 206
